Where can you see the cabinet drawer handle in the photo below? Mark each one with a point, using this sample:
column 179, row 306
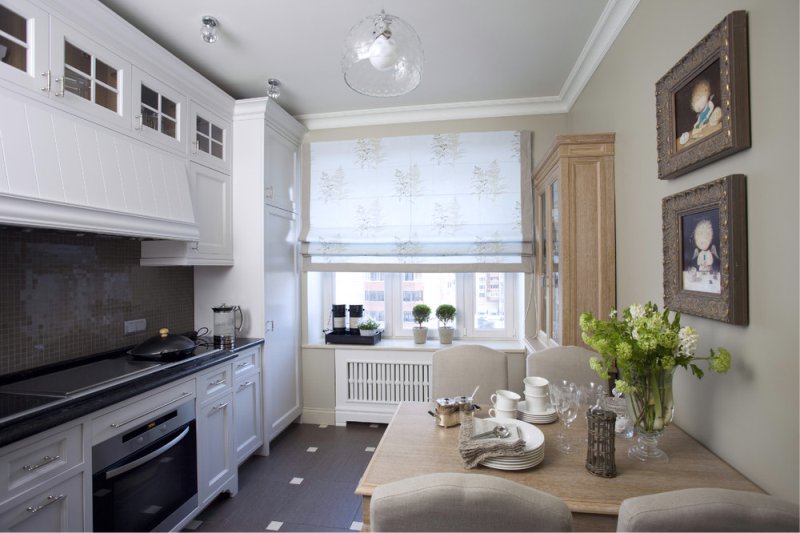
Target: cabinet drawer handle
column 139, row 122
column 218, row 382
column 45, row 460
column 137, row 417
column 244, row 365
column 195, row 146
column 245, row 384
column 50, row 499
column 218, row 407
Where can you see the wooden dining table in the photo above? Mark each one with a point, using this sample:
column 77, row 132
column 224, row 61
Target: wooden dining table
column 414, row 445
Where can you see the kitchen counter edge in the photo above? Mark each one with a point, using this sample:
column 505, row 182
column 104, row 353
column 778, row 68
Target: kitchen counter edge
column 17, row 429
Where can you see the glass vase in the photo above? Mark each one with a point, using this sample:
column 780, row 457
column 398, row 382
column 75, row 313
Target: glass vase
column 650, row 407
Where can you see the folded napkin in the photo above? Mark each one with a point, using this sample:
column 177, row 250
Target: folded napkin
column 473, row 451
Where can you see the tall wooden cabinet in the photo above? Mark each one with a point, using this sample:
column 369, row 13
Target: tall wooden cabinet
column 575, row 268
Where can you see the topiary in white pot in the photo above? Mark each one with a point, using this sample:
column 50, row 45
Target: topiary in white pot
column 421, row 314
column 446, row 313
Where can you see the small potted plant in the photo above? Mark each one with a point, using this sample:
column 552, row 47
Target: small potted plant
column 368, row 327
column 421, row 313
column 446, row 313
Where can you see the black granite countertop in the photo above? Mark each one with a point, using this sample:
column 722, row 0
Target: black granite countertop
column 36, row 413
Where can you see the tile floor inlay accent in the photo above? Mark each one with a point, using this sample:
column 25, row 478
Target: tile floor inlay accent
column 323, row 426
column 369, row 449
column 296, row 480
column 324, row 501
column 312, row 449
column 356, row 526
column 274, row 526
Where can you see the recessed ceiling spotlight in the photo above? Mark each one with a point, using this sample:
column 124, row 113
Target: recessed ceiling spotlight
column 273, row 88
column 209, row 29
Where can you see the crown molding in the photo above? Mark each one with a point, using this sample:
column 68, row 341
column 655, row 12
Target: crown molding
column 433, row 112
column 605, row 32
column 608, row 27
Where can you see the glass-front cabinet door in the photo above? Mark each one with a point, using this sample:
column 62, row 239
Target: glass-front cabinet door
column 209, row 138
column 87, row 76
column 24, row 36
column 554, row 267
column 158, row 112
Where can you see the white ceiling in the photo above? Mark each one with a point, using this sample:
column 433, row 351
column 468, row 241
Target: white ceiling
column 526, row 55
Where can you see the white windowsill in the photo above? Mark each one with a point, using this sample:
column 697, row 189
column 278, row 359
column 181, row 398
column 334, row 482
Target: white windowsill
column 510, row 346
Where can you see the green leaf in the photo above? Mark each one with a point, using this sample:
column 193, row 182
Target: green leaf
column 697, row 371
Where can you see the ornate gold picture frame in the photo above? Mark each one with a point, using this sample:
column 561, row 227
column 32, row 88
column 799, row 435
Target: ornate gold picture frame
column 705, row 250
column 703, row 102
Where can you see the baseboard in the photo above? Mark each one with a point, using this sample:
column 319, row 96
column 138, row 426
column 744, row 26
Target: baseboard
column 318, row 416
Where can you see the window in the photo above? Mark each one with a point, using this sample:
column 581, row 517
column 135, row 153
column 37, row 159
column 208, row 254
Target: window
column 484, row 301
column 159, row 113
column 89, row 78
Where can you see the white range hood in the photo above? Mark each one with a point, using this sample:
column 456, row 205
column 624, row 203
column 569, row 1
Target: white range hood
column 63, row 172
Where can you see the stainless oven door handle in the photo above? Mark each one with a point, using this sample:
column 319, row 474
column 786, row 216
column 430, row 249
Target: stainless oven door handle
column 114, row 472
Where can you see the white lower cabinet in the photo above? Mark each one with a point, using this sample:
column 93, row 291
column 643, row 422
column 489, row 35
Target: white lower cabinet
column 59, row 507
column 216, row 452
column 247, row 415
column 45, row 483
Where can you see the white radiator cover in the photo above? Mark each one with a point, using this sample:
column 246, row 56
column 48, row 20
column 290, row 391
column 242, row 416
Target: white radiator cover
column 370, row 383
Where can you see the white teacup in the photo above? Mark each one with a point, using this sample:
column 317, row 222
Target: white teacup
column 536, row 385
column 536, row 403
column 502, row 413
column 505, row 400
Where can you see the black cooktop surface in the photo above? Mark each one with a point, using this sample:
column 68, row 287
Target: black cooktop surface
column 16, row 404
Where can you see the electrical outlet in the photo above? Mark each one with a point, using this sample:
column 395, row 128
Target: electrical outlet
column 132, row 327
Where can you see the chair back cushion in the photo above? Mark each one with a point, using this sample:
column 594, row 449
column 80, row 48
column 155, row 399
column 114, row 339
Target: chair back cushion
column 707, row 510
column 457, row 370
column 465, row 502
column 563, row 362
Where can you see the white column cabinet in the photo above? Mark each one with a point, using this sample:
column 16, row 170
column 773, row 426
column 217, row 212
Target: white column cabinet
column 264, row 280
column 216, row 453
column 283, row 385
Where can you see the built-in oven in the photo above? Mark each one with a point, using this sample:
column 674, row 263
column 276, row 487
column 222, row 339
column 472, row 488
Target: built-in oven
column 146, row 479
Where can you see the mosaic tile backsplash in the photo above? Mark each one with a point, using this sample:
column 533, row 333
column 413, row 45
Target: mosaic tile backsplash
column 66, row 295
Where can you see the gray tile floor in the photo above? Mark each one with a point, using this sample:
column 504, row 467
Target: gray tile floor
column 307, row 483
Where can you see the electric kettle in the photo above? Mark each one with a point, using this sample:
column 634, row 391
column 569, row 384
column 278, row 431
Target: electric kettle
column 225, row 327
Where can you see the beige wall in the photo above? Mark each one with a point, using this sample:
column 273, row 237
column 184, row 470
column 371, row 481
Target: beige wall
column 749, row 417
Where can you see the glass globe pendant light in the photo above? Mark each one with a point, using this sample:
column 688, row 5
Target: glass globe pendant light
column 382, row 56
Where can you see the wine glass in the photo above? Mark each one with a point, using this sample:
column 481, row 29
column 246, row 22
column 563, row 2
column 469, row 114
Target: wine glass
column 565, row 400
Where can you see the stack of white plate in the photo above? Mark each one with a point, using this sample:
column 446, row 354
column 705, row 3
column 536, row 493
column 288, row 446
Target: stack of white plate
column 534, row 447
column 544, row 417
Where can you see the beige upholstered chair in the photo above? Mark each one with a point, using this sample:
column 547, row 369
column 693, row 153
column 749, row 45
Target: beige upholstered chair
column 465, row 502
column 459, row 369
column 707, row 510
column 563, row 362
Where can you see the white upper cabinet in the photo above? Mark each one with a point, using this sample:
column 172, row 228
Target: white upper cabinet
column 281, row 161
column 158, row 112
column 88, row 77
column 211, row 198
column 24, row 47
column 210, row 138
